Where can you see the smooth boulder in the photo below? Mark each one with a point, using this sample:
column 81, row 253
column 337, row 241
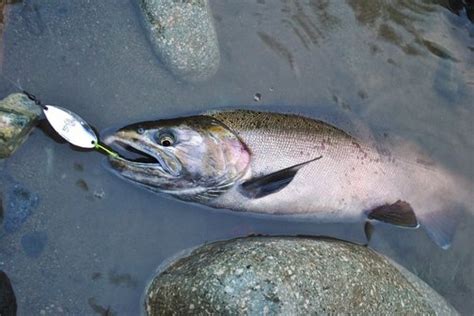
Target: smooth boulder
column 18, row 115
column 8, row 304
column 289, row 276
column 183, row 35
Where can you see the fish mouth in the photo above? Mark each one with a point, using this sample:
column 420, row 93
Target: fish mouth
column 132, row 154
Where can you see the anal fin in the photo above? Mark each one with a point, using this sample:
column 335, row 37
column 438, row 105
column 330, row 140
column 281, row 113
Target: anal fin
column 399, row 213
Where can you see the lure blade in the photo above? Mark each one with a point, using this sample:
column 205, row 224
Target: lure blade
column 70, row 126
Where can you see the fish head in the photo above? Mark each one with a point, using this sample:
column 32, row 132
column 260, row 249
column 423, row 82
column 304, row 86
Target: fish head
column 192, row 158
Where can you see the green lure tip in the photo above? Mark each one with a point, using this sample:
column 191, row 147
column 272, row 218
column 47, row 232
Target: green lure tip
column 107, row 151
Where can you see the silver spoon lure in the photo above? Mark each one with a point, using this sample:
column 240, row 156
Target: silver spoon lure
column 71, row 127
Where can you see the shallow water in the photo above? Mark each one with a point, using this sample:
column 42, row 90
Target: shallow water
column 91, row 242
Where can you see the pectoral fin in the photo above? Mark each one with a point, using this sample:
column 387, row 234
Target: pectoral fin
column 399, row 213
column 271, row 183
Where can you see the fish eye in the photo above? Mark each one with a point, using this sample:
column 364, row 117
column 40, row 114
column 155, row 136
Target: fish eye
column 166, row 139
column 140, row 130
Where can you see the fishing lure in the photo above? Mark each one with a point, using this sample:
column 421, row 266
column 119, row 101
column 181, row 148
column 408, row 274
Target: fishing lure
column 71, row 127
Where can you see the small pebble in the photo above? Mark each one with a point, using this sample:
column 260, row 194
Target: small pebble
column 99, row 194
column 257, row 97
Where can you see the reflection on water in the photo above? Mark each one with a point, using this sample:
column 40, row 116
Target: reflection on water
column 398, row 22
column 311, row 25
column 89, row 242
column 280, row 49
column 310, row 21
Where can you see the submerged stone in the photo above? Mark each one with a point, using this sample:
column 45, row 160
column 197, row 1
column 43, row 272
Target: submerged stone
column 183, row 36
column 8, row 305
column 18, row 115
column 289, row 276
column 33, row 243
column 19, row 205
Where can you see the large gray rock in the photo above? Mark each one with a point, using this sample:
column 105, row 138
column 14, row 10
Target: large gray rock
column 7, row 296
column 18, row 115
column 183, row 35
column 289, row 276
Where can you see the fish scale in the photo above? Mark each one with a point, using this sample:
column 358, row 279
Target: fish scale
column 283, row 140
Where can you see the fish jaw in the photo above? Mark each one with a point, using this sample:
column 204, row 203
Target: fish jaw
column 151, row 174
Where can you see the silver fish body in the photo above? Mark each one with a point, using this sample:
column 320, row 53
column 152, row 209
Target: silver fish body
column 349, row 181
